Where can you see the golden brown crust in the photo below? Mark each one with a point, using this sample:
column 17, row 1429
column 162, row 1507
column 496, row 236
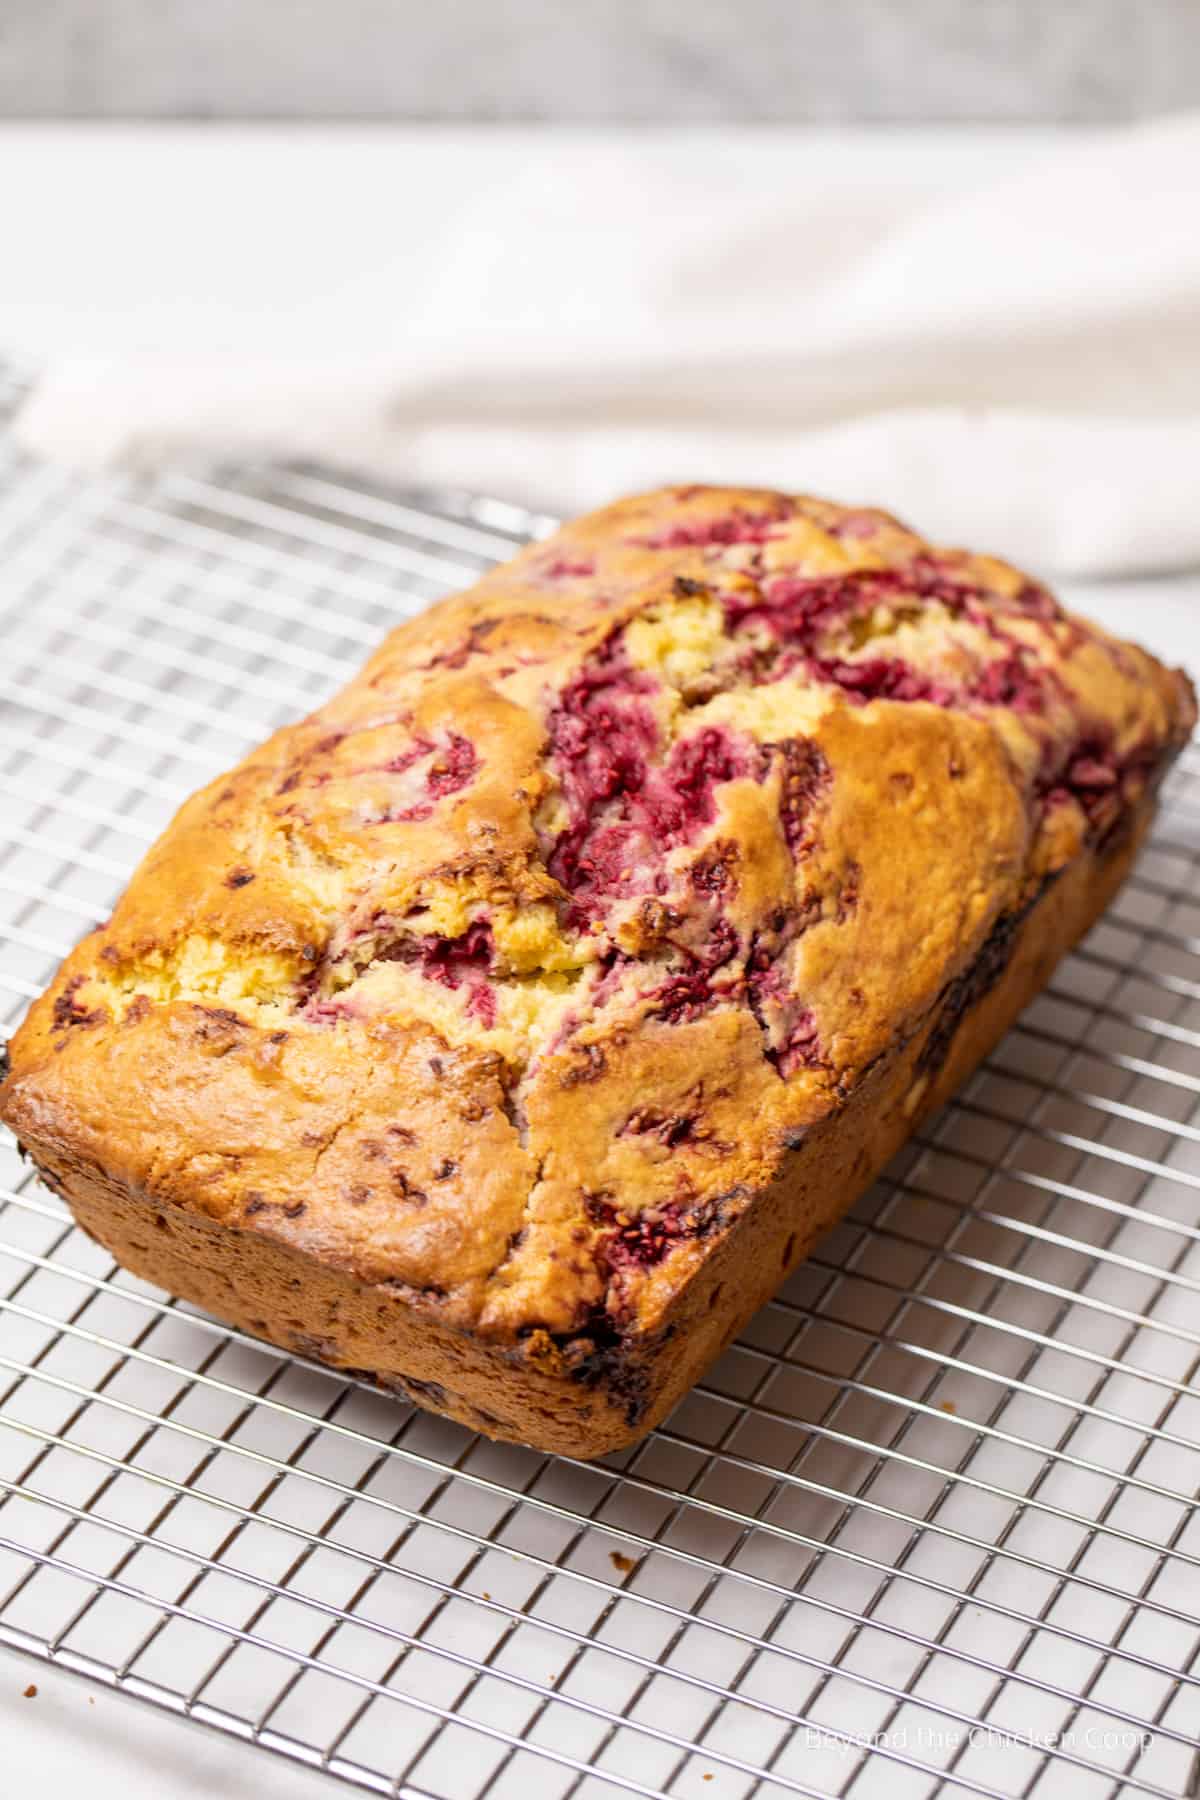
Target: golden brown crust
column 505, row 998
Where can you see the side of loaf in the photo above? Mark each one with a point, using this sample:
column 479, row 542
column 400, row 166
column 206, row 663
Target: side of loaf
column 508, row 1029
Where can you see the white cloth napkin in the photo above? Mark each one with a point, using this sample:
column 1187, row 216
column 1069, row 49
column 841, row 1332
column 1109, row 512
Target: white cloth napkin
column 1014, row 364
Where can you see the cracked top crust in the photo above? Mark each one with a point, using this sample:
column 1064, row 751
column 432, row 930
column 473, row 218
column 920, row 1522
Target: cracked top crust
column 516, row 969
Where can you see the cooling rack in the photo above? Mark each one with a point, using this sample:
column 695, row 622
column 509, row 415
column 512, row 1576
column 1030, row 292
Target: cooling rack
column 926, row 1529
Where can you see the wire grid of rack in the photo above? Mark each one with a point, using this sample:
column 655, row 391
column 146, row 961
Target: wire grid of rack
column 925, row 1530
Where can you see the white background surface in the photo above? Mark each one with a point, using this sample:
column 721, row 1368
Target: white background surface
column 76, row 1739
column 127, row 237
column 78, row 207
column 950, row 328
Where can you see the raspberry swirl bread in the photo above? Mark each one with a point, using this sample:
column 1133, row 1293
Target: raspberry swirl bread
column 509, row 1028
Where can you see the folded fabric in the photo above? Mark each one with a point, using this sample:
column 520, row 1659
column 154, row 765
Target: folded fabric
column 1015, row 363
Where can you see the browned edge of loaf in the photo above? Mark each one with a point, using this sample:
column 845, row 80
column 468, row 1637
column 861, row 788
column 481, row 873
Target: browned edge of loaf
column 589, row 1403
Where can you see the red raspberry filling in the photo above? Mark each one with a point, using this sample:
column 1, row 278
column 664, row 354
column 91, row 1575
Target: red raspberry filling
column 690, row 992
column 1099, row 780
column 626, row 810
column 454, row 768
column 569, row 568
column 736, row 527
column 790, row 1036
column 640, row 1240
column 883, row 678
column 460, row 962
column 806, row 781
column 800, row 610
column 464, row 962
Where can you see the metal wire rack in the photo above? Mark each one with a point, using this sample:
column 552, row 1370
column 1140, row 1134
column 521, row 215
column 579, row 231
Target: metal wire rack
column 927, row 1529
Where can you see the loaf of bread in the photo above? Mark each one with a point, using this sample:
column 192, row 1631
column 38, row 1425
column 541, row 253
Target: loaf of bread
column 508, row 1029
